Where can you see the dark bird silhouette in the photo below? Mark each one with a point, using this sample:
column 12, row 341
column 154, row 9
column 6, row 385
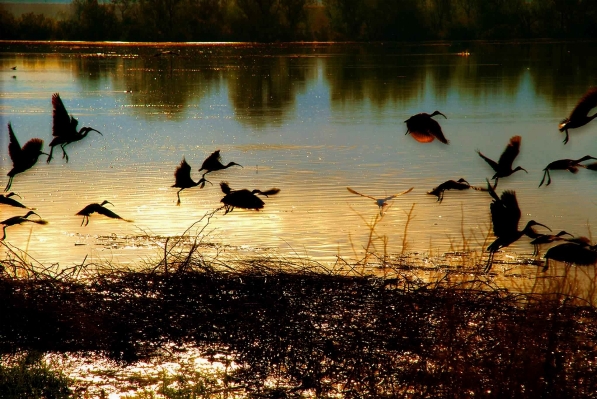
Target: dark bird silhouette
column 571, row 165
column 243, row 198
column 214, row 162
column 580, row 114
column 182, row 176
column 423, row 128
column 14, row 68
column 547, row 239
column 503, row 167
column 98, row 208
column 64, row 128
column 571, row 253
column 505, row 216
column 7, row 200
column 460, row 184
column 18, row 220
column 382, row 203
column 22, row 158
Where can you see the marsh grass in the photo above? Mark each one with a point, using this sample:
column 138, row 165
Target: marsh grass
column 382, row 326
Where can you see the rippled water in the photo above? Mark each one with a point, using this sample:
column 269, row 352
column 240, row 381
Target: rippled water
column 309, row 119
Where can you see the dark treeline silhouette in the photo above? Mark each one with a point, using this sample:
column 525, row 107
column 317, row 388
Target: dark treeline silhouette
column 300, row 20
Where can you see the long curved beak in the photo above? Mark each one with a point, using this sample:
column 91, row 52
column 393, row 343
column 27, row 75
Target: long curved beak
column 540, row 224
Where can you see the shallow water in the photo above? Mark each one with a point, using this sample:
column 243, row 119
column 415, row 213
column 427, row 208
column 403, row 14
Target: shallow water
column 309, row 119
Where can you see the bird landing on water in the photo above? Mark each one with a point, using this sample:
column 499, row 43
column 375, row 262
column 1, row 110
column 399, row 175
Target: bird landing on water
column 423, row 128
column 244, row 198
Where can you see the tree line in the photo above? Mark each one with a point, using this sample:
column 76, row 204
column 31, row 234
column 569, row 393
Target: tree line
column 308, row 20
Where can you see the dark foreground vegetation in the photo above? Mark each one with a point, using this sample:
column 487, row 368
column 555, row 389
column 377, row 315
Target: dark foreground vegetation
column 310, row 20
column 312, row 330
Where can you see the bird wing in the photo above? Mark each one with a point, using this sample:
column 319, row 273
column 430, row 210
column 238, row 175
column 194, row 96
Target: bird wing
column 61, row 120
column 215, row 157
column 14, row 148
column 362, row 195
column 106, row 212
column 32, row 149
column 435, row 129
column 491, row 162
column 183, row 171
column 397, row 195
column 225, row 187
column 271, row 191
column 511, row 151
column 585, row 104
column 505, row 214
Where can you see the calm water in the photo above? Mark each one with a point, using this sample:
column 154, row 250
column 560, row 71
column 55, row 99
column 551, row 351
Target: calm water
column 310, row 120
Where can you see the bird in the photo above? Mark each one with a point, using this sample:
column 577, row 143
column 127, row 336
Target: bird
column 182, row 176
column 14, row 68
column 7, row 200
column 547, row 239
column 460, row 184
column 505, row 216
column 243, row 198
column 98, row 208
column 571, row 253
column 64, row 128
column 18, row 220
column 382, row 203
column 571, row 165
column 503, row 167
column 214, row 162
column 23, row 158
column 424, row 129
column 580, row 114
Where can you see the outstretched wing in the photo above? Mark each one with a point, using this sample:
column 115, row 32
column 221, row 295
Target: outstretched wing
column 505, row 214
column 271, row 191
column 586, row 103
column 435, row 129
column 214, row 158
column 397, row 195
column 61, row 125
column 106, row 212
column 14, row 148
column 183, row 172
column 510, row 153
column 491, row 162
column 362, row 195
column 225, row 187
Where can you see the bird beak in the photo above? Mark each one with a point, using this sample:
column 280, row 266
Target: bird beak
column 539, row 224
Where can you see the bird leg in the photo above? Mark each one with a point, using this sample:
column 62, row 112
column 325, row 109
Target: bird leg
column 489, row 262
column 544, row 174
column 8, row 184
column 566, row 139
column 178, row 195
column 64, row 154
column 50, row 154
column 3, row 234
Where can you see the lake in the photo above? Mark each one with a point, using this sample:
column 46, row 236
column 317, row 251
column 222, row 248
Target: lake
column 309, row 119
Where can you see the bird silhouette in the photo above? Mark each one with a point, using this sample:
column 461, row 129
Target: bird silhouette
column 547, row 239
column 98, row 208
column 18, row 220
column 571, row 165
column 22, row 158
column 7, row 200
column 571, row 253
column 214, row 162
column 503, row 167
column 382, row 203
column 460, row 184
column 243, row 198
column 64, row 128
column 423, row 128
column 580, row 114
column 182, row 176
column 505, row 216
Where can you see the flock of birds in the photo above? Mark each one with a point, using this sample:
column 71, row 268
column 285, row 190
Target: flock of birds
column 505, row 212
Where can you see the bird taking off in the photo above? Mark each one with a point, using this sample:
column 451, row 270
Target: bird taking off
column 98, row 208
column 382, row 203
column 505, row 216
column 580, row 114
column 214, row 162
column 7, row 200
column 460, row 184
column 571, row 253
column 423, row 128
column 571, row 165
column 503, row 167
column 182, row 176
column 243, row 198
column 19, row 220
column 22, row 158
column 64, row 128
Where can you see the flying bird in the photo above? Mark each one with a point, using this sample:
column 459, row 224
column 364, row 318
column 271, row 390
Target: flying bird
column 580, row 114
column 571, row 165
column 423, row 128
column 22, row 158
column 243, row 198
column 19, row 220
column 7, row 200
column 382, row 203
column 547, row 239
column 460, row 184
column 503, row 167
column 100, row 209
column 214, row 162
column 182, row 176
column 505, row 216
column 571, row 253
column 64, row 128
